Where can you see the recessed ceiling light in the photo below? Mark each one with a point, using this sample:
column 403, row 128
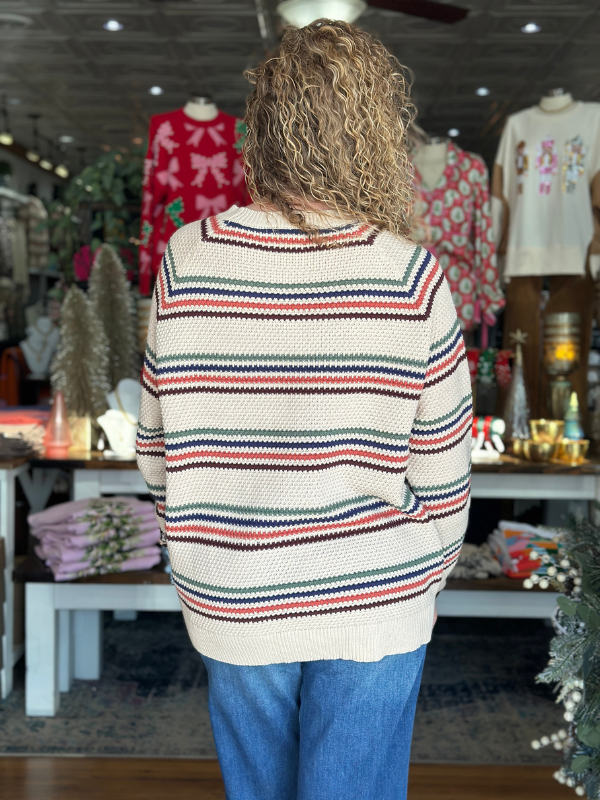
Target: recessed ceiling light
column 113, row 25
column 66, row 139
column 62, row 171
column 453, row 132
column 45, row 164
column 6, row 138
column 531, row 27
column 156, row 90
column 483, row 91
column 32, row 155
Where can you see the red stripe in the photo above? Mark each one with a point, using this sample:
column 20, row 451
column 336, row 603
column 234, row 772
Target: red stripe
column 233, row 534
column 279, row 239
column 314, row 603
column 425, row 442
column 297, row 306
column 450, row 360
column 449, row 504
column 286, row 456
column 264, row 379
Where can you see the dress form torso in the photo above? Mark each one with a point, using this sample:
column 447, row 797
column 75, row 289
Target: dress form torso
column 430, row 160
column 201, row 112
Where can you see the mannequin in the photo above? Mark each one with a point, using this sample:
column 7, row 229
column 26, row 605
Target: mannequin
column 430, row 160
column 201, row 108
column 39, row 346
column 193, row 170
column 556, row 100
column 525, row 192
column 454, row 222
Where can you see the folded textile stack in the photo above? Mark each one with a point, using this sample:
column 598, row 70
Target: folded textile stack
column 94, row 537
column 476, row 561
column 513, row 542
column 24, row 425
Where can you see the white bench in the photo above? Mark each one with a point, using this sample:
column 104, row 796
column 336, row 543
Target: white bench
column 64, row 620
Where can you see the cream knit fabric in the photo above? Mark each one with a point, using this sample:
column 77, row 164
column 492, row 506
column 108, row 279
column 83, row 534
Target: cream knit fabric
column 305, row 430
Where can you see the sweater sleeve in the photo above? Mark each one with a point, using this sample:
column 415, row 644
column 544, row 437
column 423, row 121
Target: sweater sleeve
column 439, row 462
column 150, row 444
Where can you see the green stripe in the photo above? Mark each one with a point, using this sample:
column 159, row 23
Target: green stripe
column 269, row 511
column 438, row 487
column 150, row 431
column 279, row 512
column 156, row 487
column 316, row 358
column 448, row 336
column 151, row 352
column 283, row 433
column 320, row 581
column 210, row 279
column 426, row 423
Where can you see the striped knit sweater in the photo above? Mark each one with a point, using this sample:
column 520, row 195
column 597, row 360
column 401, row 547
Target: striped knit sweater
column 305, row 430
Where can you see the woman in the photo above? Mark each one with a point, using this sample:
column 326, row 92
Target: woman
column 305, row 428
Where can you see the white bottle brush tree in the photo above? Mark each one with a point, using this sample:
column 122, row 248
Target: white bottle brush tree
column 110, row 296
column 574, row 664
column 80, row 367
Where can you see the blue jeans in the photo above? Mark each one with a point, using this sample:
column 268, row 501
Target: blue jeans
column 317, row 730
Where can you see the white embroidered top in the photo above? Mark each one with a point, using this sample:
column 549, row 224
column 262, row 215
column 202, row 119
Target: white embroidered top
column 548, row 161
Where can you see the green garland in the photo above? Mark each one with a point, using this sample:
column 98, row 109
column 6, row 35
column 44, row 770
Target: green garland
column 574, row 664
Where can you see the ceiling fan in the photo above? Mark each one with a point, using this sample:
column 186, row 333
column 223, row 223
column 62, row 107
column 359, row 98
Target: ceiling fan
column 303, row 12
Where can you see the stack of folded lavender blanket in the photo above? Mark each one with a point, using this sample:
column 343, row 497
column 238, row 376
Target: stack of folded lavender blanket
column 94, row 537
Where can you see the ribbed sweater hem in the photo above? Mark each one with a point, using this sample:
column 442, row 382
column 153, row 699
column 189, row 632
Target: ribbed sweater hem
column 370, row 642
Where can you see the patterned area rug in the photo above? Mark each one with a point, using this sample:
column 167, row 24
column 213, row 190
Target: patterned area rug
column 478, row 701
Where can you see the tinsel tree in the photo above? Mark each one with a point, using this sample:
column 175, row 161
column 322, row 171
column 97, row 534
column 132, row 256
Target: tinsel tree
column 516, row 414
column 80, row 366
column 574, row 664
column 110, row 296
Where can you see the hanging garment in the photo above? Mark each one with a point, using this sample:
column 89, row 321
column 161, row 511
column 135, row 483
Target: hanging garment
column 192, row 170
column 454, row 223
column 17, row 230
column 6, row 251
column 34, row 215
column 545, row 165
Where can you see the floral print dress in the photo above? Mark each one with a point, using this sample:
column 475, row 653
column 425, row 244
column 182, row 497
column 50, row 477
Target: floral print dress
column 453, row 221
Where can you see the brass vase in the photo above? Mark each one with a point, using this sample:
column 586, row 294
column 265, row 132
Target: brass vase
column 562, row 334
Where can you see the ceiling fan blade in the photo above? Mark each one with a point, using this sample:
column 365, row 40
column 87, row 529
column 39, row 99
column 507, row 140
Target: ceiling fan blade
column 439, row 12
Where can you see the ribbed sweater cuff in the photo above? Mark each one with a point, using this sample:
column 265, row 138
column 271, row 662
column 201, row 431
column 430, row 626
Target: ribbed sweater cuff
column 371, row 642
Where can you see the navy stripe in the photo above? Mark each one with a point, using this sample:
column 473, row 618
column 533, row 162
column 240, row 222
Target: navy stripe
column 467, row 410
column 311, row 592
column 235, row 444
column 446, row 350
column 286, row 231
column 358, row 292
column 425, row 499
column 286, row 369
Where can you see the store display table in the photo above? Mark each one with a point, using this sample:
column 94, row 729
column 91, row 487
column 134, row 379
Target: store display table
column 62, row 645
column 9, row 472
column 63, row 620
column 63, row 624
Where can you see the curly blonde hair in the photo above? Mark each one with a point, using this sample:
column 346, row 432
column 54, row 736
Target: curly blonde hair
column 327, row 121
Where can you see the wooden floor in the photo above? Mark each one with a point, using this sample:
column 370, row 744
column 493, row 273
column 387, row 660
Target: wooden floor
column 180, row 779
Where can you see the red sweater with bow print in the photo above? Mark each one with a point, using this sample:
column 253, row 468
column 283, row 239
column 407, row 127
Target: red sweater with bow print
column 192, row 170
